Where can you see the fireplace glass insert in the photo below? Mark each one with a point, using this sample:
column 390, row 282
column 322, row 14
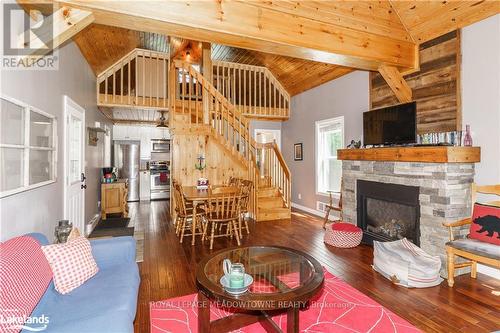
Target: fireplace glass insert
column 388, row 212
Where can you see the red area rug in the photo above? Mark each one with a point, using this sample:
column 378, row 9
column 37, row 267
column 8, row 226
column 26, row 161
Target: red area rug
column 337, row 308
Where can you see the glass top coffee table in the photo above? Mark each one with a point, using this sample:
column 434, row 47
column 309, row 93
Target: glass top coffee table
column 284, row 280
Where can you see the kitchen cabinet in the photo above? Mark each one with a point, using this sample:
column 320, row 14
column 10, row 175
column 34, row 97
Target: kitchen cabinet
column 124, row 132
column 145, row 191
column 144, row 134
column 161, row 133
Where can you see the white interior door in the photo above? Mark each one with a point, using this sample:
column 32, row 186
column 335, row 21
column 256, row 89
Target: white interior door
column 268, row 135
column 74, row 163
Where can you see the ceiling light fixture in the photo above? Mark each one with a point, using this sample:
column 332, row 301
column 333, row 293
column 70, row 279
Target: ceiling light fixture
column 162, row 120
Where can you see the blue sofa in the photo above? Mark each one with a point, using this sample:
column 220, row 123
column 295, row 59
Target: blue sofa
column 105, row 303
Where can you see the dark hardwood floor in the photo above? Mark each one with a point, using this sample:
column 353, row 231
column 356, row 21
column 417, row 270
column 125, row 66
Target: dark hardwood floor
column 169, row 268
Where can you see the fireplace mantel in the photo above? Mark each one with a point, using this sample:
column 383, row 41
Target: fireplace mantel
column 435, row 154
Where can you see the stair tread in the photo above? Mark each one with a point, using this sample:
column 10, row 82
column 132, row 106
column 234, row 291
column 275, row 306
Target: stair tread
column 264, row 199
column 274, row 209
column 270, row 214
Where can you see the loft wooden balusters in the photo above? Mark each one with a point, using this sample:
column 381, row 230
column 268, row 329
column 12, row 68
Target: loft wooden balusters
column 253, row 90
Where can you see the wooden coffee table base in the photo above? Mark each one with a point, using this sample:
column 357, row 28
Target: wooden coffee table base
column 242, row 319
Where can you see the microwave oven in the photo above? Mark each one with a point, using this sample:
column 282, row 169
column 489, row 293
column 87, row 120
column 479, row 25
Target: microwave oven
column 160, row 146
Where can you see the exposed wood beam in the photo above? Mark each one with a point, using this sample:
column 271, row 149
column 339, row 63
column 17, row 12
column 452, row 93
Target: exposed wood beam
column 397, row 83
column 243, row 25
column 62, row 25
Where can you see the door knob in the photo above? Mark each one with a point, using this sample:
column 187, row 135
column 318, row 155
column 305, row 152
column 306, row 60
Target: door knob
column 82, row 177
column 83, row 186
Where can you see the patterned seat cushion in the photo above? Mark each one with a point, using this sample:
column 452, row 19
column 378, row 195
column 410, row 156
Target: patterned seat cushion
column 476, row 247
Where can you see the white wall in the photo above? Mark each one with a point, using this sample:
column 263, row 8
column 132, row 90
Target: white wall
column 346, row 96
column 481, row 99
column 38, row 210
column 481, row 94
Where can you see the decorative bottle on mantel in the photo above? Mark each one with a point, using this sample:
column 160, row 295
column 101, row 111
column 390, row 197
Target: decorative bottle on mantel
column 468, row 137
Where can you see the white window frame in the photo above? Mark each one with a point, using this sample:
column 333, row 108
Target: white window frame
column 318, row 125
column 27, row 109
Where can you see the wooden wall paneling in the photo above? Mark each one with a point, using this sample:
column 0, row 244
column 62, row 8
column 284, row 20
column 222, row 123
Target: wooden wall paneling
column 219, row 163
column 435, row 87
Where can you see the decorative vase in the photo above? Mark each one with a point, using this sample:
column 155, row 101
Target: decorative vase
column 467, row 137
column 63, row 229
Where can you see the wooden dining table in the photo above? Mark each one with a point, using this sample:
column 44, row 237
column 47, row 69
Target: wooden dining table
column 196, row 197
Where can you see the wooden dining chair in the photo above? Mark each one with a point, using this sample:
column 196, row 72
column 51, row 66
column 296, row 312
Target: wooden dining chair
column 185, row 214
column 246, row 190
column 223, row 208
column 233, row 181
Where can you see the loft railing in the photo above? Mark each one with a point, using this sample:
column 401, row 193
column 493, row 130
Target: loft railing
column 253, row 90
column 139, row 79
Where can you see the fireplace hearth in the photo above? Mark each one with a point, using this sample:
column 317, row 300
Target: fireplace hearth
column 388, row 212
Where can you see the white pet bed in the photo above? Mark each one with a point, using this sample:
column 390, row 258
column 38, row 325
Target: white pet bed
column 406, row 264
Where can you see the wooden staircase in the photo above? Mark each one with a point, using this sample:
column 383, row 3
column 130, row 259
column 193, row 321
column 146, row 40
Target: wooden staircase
column 199, row 108
column 271, row 204
column 208, row 117
column 274, row 184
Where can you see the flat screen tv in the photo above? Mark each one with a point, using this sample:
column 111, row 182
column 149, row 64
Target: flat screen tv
column 393, row 125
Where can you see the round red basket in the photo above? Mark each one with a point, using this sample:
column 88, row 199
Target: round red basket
column 344, row 235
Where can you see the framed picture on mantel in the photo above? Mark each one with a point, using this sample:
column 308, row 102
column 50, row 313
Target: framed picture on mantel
column 298, row 153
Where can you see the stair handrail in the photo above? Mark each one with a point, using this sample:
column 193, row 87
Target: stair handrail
column 279, row 173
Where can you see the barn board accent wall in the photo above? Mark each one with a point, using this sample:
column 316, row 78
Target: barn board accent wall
column 435, row 87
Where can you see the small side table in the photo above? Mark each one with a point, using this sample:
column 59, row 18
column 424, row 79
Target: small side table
column 114, row 198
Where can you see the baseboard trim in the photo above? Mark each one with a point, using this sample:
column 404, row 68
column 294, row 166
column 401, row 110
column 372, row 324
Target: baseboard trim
column 313, row 211
column 89, row 227
column 488, row 270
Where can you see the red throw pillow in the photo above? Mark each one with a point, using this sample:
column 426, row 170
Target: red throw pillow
column 485, row 223
column 24, row 276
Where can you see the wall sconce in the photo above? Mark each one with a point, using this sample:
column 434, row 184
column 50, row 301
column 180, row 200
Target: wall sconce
column 201, row 165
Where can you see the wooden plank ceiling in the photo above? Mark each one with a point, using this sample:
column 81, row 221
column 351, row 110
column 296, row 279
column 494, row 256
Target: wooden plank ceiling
column 401, row 21
column 103, row 45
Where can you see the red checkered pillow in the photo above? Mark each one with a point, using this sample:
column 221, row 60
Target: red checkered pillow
column 24, row 276
column 72, row 263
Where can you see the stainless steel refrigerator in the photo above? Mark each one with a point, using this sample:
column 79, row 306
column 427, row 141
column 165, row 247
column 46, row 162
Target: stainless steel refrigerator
column 127, row 161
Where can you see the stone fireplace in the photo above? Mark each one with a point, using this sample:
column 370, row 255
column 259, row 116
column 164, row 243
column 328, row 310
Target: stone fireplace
column 436, row 193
